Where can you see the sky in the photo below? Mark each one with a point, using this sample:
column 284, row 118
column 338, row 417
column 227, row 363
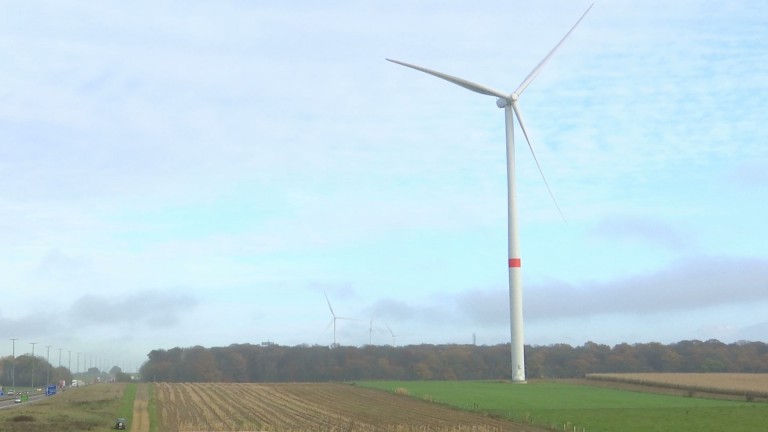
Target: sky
column 191, row 173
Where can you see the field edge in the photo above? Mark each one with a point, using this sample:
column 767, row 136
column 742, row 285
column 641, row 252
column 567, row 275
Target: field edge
column 677, row 384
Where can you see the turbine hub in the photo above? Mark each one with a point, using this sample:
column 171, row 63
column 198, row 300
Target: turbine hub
column 514, row 96
column 501, row 102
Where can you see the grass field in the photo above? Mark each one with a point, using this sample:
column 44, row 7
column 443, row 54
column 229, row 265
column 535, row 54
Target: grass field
column 126, row 406
column 89, row 408
column 554, row 404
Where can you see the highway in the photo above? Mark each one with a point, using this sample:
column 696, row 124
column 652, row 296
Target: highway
column 8, row 401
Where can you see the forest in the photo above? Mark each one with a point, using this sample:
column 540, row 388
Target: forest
column 274, row 363
column 36, row 372
column 30, row 371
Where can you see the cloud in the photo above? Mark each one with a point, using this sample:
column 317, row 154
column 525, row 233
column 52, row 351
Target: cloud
column 393, row 309
column 150, row 309
column 484, row 307
column 642, row 228
column 214, row 148
column 435, row 310
column 29, row 325
column 749, row 175
column 688, row 284
column 58, row 265
column 753, row 332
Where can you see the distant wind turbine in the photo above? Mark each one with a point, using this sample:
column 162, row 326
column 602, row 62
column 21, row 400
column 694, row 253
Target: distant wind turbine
column 370, row 332
column 508, row 101
column 392, row 333
column 333, row 320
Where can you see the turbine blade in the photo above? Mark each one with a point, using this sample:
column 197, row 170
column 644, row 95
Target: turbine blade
column 329, row 305
column 469, row 85
column 521, row 88
column 528, row 140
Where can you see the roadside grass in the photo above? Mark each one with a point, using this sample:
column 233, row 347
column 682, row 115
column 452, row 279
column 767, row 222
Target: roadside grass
column 88, row 408
column 555, row 405
column 126, row 407
column 152, row 407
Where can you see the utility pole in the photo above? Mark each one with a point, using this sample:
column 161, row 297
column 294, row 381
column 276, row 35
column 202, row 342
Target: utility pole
column 13, row 364
column 33, row 363
column 48, row 367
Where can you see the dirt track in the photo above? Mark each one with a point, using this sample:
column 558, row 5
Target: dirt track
column 140, row 421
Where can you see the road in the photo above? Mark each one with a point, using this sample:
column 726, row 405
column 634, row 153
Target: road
column 8, row 401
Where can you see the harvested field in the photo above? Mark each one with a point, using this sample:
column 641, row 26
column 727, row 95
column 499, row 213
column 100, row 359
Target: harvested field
column 303, row 407
column 754, row 386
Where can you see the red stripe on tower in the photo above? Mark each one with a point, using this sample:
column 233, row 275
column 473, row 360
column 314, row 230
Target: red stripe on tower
column 514, row 262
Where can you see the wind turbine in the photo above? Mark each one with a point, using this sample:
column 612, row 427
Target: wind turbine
column 333, row 321
column 508, row 101
column 392, row 333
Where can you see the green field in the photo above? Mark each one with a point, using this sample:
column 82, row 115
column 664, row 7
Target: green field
column 554, row 404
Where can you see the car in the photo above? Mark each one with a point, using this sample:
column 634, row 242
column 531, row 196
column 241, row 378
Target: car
column 120, row 423
column 17, row 400
column 10, row 393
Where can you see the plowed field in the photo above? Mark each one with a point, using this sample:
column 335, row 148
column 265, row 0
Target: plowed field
column 308, row 407
column 738, row 383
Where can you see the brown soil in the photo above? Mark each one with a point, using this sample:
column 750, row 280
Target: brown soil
column 327, row 407
column 140, row 421
column 711, row 386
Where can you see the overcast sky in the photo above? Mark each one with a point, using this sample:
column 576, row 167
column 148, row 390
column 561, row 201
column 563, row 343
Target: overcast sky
column 204, row 173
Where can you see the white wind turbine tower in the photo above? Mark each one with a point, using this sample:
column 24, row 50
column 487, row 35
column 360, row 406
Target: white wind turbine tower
column 508, row 101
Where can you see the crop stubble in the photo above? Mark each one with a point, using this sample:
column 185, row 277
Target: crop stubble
column 737, row 382
column 302, row 407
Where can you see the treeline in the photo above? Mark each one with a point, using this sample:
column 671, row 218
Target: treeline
column 275, row 363
column 28, row 371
